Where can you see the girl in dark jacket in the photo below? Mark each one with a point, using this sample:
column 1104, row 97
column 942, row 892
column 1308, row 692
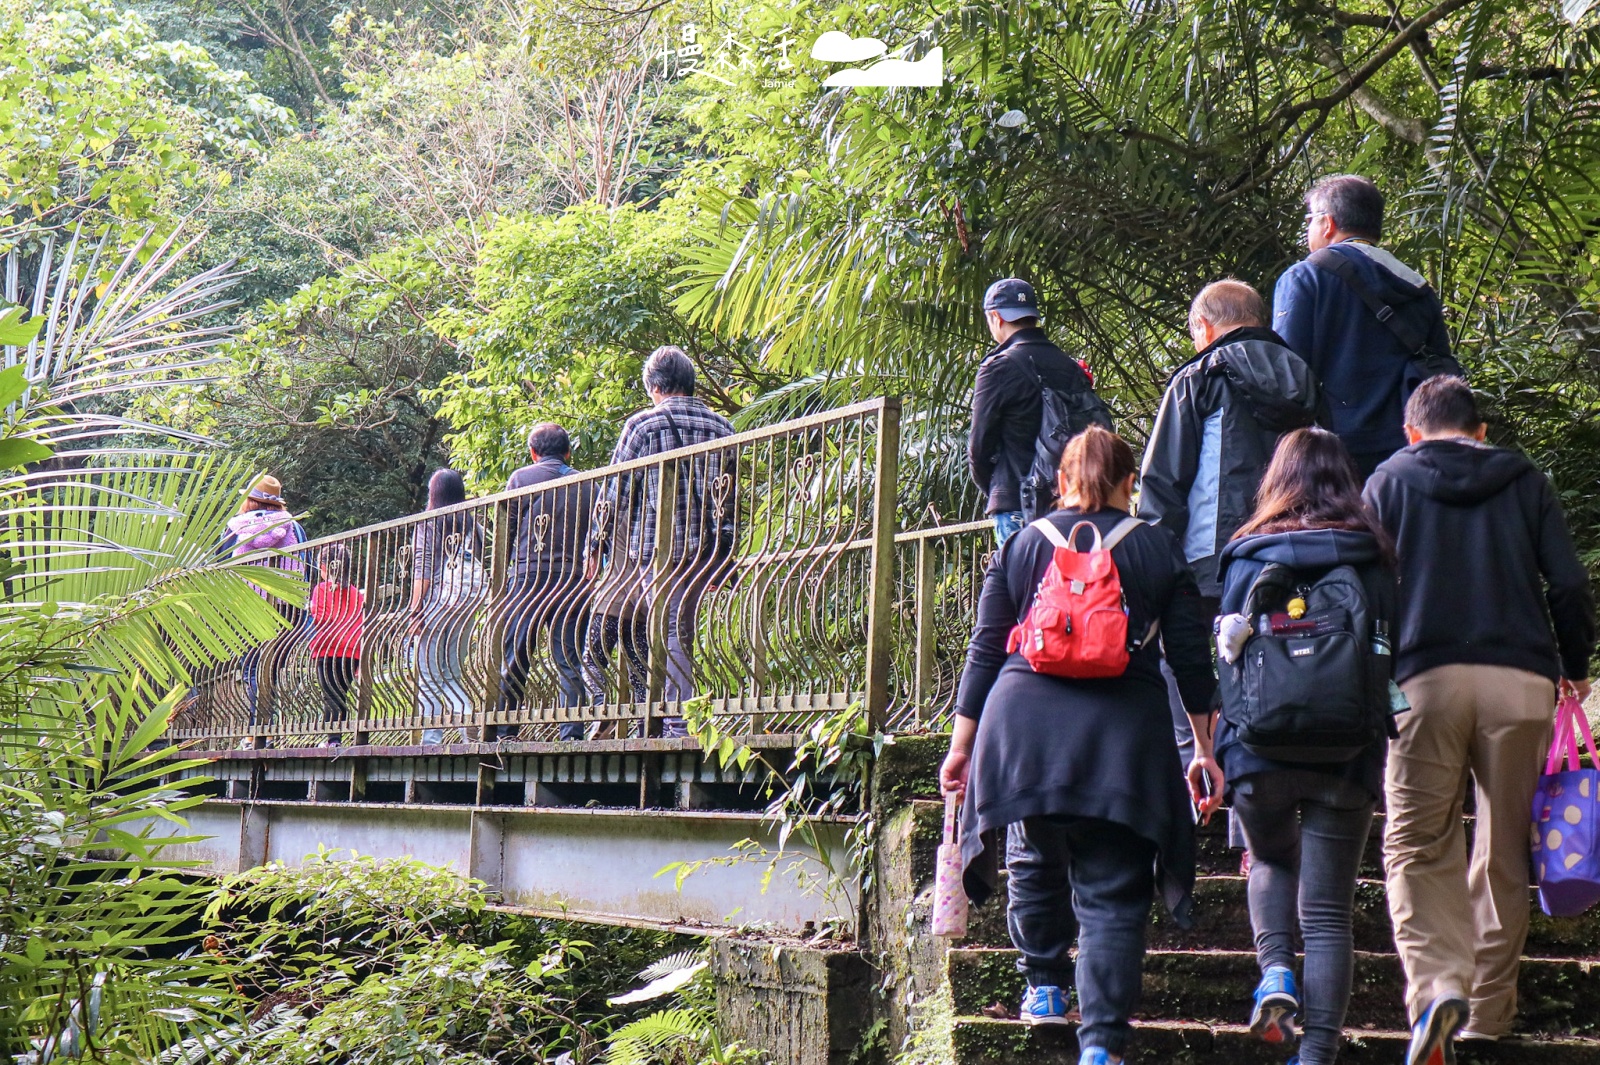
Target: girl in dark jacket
column 1085, row 773
column 1307, row 823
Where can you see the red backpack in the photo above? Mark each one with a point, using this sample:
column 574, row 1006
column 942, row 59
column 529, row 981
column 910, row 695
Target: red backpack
column 1077, row 626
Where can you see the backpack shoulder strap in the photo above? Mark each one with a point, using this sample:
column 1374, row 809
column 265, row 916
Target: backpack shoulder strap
column 672, row 425
column 1051, row 533
column 1112, row 539
column 1120, row 531
column 1341, row 267
column 1023, row 358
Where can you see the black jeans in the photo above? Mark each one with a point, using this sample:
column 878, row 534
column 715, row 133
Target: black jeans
column 336, row 675
column 1096, row 879
column 526, row 626
column 605, row 632
column 1307, row 832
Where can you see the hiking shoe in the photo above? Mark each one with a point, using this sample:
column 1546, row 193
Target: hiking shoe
column 1045, row 1004
column 1276, row 1004
column 1097, row 1056
column 1433, row 1036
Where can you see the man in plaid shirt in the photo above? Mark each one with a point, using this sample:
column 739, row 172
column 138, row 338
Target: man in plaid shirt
column 702, row 520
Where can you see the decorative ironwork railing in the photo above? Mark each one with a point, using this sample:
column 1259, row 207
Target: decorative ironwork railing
column 761, row 571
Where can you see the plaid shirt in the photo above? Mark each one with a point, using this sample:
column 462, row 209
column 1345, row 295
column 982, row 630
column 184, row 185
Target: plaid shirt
column 699, row 525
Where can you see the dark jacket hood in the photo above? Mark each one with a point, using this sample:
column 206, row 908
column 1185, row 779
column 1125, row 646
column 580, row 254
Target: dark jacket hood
column 1278, row 386
column 1306, row 548
column 1454, row 471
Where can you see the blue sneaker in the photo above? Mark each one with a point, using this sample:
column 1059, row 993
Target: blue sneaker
column 1433, row 1036
column 1045, row 1004
column 1276, row 1004
column 1097, row 1056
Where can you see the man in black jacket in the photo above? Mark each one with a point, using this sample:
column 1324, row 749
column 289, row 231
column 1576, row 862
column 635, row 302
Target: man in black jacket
column 1008, row 405
column 1495, row 613
column 1219, row 424
column 545, row 590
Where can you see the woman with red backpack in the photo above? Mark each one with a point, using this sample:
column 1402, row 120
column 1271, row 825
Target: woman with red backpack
column 1063, row 737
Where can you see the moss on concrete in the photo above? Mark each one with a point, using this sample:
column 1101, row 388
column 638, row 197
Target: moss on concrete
column 908, row 769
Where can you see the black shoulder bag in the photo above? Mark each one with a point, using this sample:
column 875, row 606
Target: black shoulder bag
column 1424, row 361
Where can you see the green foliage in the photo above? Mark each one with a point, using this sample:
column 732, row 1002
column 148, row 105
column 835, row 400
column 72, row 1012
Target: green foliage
column 826, row 780
column 394, row 962
column 111, row 598
column 683, row 1034
column 573, row 304
column 101, row 116
column 94, row 956
column 352, row 913
column 328, row 389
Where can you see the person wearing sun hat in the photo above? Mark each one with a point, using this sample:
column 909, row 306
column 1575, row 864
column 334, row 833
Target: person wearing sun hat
column 263, row 524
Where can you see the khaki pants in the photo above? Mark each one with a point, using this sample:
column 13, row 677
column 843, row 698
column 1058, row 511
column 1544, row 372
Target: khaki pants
column 1460, row 928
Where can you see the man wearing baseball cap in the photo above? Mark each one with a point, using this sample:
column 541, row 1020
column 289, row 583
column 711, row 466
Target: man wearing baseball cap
column 1029, row 400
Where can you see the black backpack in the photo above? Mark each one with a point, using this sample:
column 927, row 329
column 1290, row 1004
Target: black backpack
column 1062, row 416
column 1313, row 688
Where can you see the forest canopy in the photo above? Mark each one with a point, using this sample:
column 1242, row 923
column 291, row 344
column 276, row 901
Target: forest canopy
column 459, row 220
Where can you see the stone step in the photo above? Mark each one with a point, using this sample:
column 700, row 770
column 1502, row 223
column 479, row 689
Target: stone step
column 1557, row 997
column 980, row 1041
column 1222, row 922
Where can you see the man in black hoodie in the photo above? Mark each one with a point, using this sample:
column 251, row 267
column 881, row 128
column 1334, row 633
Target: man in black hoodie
column 1008, row 408
column 1495, row 612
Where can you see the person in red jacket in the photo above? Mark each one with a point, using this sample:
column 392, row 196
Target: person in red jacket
column 336, row 614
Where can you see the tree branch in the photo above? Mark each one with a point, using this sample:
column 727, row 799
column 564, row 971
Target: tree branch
column 1406, row 127
column 1362, row 74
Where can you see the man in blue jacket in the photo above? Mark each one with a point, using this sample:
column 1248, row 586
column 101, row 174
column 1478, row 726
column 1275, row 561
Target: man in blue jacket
column 1369, row 326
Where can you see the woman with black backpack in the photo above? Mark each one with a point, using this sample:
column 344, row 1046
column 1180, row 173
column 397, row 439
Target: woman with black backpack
column 1308, row 597
column 1063, row 736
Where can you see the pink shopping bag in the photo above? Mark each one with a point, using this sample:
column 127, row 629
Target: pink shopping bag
column 949, row 896
column 1566, row 819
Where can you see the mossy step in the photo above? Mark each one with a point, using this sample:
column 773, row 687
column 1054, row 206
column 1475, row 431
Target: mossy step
column 1222, row 922
column 980, row 1041
column 1557, row 997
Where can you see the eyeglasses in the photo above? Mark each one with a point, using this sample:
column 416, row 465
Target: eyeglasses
column 1313, row 215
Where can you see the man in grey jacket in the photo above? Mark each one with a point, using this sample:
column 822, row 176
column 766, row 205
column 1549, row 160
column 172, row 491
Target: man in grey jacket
column 1218, row 426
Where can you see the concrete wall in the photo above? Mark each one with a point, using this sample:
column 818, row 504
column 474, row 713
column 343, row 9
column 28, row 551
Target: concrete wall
column 579, row 862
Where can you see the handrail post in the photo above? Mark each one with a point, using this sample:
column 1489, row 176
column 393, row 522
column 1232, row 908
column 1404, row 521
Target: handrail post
column 494, row 627
column 660, row 567
column 366, row 679
column 880, row 605
column 923, row 591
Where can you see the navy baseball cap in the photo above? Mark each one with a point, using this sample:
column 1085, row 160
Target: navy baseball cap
column 1013, row 298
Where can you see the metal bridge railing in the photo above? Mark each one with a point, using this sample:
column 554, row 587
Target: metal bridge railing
column 761, row 571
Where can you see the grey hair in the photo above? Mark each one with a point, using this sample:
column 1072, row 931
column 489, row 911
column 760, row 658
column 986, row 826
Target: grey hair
column 549, row 440
column 669, row 371
column 1229, row 302
column 1353, row 202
